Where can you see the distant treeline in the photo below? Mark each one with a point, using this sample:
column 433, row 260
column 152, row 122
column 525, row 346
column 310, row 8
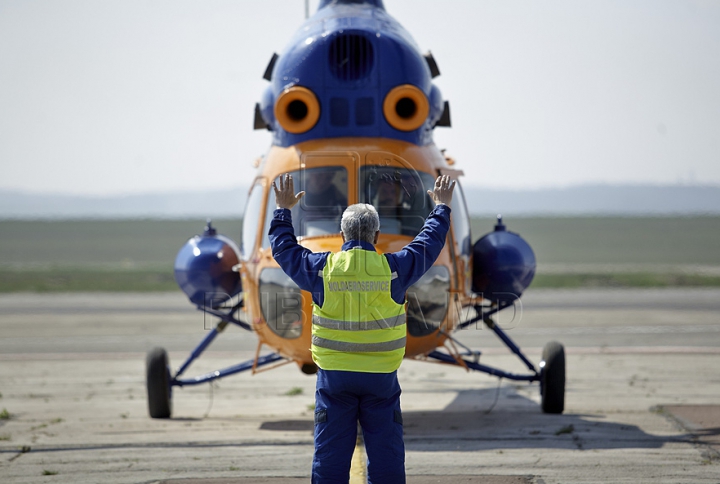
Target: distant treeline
column 230, row 203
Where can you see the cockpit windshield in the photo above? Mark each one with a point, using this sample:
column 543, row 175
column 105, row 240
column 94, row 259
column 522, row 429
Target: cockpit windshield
column 320, row 210
column 399, row 195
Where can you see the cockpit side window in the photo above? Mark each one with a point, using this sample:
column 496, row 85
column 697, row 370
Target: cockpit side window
column 251, row 220
column 399, row 195
column 461, row 222
column 320, row 210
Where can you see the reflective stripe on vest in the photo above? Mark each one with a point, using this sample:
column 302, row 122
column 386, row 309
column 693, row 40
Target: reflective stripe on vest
column 358, row 347
column 359, row 326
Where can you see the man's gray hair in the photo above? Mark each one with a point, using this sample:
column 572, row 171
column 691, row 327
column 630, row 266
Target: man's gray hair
column 360, row 222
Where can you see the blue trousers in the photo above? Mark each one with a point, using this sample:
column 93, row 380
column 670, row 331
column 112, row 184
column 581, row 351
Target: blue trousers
column 342, row 398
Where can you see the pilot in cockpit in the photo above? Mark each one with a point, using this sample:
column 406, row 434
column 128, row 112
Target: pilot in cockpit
column 323, row 203
column 388, row 202
column 399, row 204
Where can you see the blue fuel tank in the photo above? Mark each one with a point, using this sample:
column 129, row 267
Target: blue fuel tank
column 503, row 265
column 204, row 268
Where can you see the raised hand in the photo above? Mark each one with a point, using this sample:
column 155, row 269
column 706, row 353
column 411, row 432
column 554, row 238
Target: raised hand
column 442, row 193
column 285, row 196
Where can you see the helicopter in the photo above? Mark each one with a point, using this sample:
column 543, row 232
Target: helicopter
column 351, row 107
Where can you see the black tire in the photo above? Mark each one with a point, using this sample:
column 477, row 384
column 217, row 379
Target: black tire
column 158, row 383
column 552, row 378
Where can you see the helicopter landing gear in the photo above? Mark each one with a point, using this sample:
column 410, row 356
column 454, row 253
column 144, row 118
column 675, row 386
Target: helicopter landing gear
column 158, row 383
column 552, row 378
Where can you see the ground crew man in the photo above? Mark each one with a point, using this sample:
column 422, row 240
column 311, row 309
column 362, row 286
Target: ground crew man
column 358, row 329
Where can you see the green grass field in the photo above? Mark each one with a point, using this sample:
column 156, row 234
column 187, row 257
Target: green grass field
column 138, row 255
column 617, row 240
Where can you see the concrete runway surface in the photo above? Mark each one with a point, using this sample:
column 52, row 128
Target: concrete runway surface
column 642, row 397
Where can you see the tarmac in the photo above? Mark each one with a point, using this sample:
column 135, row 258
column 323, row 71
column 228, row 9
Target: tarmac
column 642, row 398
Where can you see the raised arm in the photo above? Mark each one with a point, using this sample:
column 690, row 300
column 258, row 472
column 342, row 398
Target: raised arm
column 413, row 260
column 299, row 263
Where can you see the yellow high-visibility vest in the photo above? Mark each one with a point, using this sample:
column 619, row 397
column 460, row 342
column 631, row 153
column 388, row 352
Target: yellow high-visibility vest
column 359, row 326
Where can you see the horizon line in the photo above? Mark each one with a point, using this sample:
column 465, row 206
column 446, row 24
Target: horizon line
column 187, row 191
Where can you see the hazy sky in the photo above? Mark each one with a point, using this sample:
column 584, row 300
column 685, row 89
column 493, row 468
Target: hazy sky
column 128, row 96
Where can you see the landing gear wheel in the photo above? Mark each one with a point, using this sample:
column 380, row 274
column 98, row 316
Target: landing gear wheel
column 552, row 378
column 158, row 383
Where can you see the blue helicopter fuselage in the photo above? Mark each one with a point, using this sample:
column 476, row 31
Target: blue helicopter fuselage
column 350, row 55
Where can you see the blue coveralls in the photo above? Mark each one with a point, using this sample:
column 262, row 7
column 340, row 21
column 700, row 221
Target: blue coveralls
column 342, row 398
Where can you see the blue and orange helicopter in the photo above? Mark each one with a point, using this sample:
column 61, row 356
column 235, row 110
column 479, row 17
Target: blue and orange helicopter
column 352, row 107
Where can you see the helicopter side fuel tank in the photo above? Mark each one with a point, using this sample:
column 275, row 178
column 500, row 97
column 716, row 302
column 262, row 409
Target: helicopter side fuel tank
column 503, row 265
column 204, row 268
